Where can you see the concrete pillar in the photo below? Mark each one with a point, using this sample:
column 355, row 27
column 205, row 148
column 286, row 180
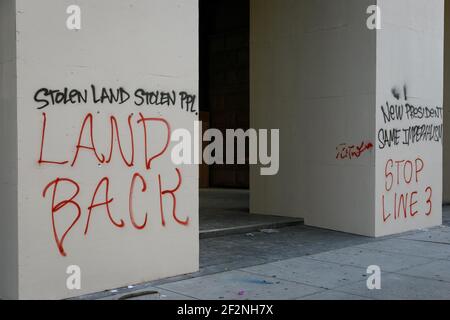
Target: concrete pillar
column 8, row 144
column 410, row 51
column 323, row 77
column 276, row 91
column 339, row 71
column 446, row 109
column 65, row 204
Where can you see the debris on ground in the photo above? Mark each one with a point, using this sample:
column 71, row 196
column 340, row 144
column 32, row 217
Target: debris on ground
column 270, row 231
column 135, row 295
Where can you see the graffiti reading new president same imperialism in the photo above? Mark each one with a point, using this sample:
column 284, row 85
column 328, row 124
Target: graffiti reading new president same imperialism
column 416, row 123
column 62, row 193
column 407, row 192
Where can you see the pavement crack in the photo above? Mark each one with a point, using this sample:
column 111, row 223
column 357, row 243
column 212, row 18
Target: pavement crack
column 426, row 241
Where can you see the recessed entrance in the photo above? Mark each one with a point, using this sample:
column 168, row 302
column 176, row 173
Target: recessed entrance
column 224, row 80
column 225, row 104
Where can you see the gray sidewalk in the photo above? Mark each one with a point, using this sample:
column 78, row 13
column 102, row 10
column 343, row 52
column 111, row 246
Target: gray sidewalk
column 306, row 263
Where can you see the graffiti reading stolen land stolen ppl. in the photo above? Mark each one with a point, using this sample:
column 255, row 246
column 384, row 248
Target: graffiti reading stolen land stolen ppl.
column 46, row 97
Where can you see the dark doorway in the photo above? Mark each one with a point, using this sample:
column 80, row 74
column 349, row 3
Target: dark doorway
column 224, row 80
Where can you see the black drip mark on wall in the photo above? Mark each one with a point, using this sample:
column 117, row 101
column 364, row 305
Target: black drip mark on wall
column 397, row 94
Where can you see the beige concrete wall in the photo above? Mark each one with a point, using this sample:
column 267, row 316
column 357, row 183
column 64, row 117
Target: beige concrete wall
column 339, row 102
column 313, row 76
column 8, row 147
column 276, row 55
column 129, row 44
column 320, row 75
column 409, row 77
column 446, row 106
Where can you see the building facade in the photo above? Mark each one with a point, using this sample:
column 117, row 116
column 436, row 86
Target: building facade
column 87, row 117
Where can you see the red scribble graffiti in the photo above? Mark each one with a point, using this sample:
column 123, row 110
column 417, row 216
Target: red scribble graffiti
column 349, row 152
